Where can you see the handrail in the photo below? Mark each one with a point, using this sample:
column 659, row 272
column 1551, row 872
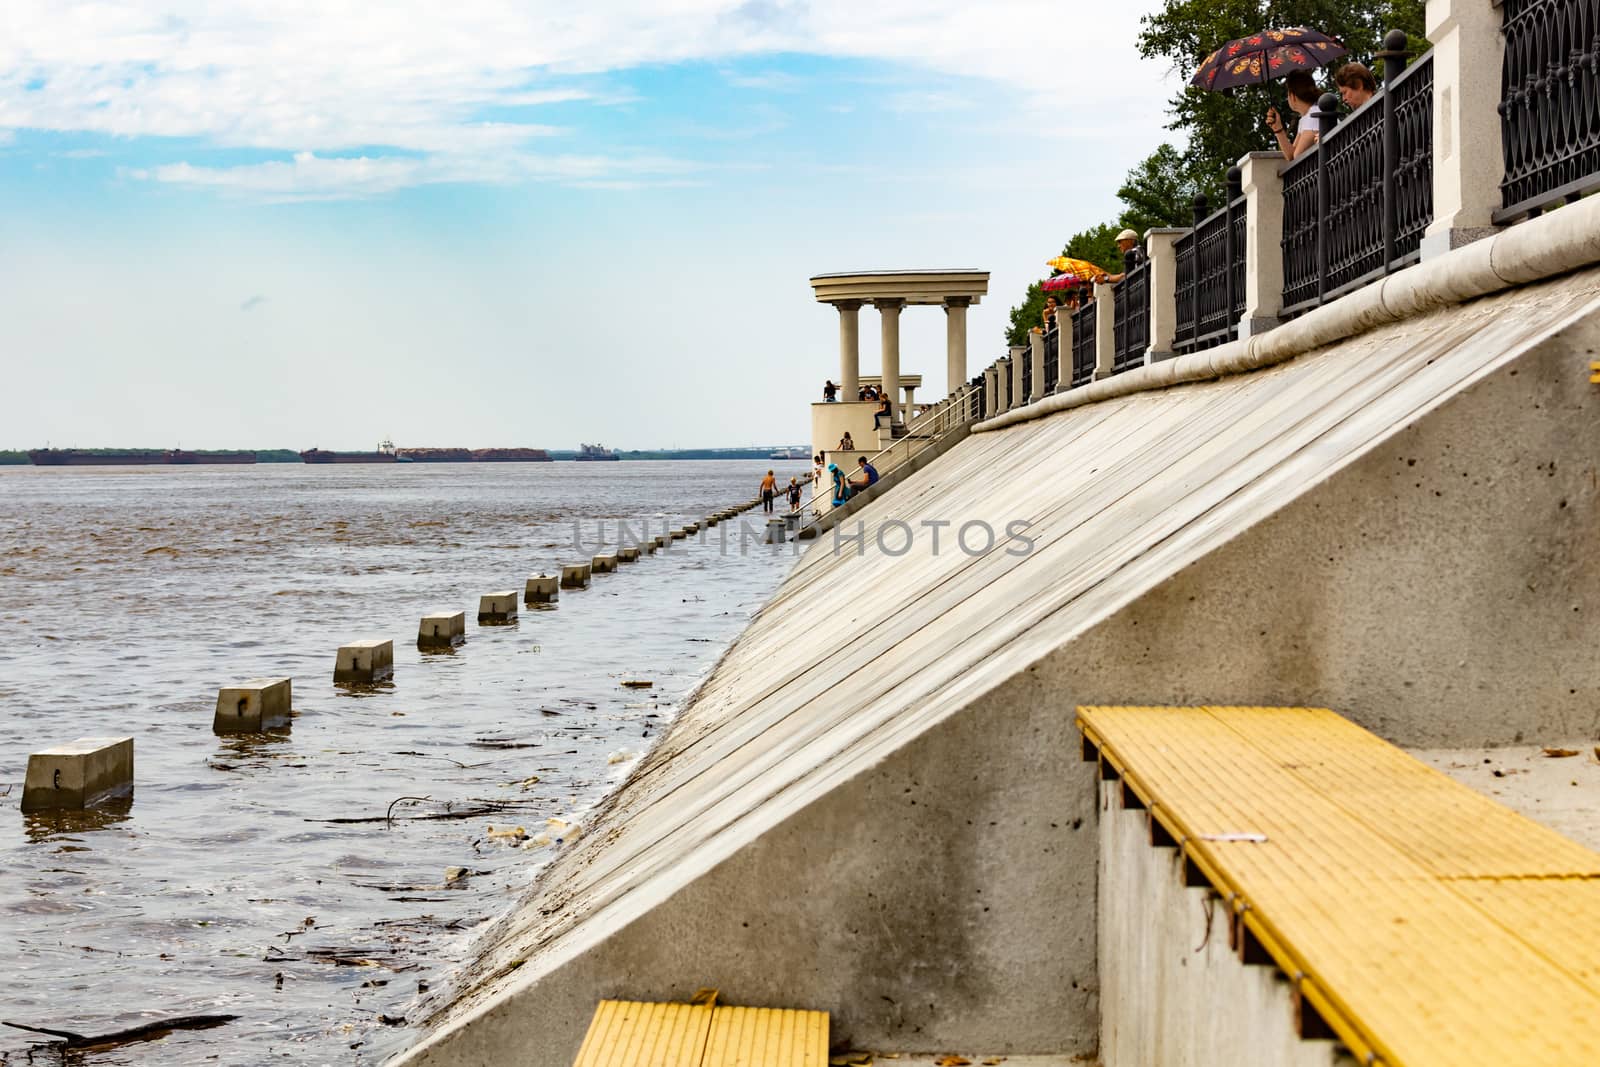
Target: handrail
column 944, row 416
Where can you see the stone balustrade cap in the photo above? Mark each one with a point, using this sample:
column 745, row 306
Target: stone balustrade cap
column 914, row 286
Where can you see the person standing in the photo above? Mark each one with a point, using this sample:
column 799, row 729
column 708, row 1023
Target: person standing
column 830, row 392
column 769, row 489
column 794, row 494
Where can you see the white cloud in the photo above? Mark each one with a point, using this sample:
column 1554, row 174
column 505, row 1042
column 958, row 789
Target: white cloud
column 416, row 77
column 312, row 177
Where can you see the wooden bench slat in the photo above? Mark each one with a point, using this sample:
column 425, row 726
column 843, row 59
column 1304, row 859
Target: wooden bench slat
column 1418, row 910
column 625, row 1033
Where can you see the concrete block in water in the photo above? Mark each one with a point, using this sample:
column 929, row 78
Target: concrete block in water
column 658, row 541
column 693, row 527
column 497, row 607
column 444, row 629
column 775, row 531
column 79, row 774
column 628, row 554
column 363, row 662
column 253, row 706
column 679, row 534
column 574, row 575
column 792, row 520
column 541, row 589
column 603, row 564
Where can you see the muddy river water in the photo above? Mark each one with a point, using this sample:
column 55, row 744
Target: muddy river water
column 282, row 878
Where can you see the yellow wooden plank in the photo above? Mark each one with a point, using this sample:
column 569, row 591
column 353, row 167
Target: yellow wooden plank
column 1431, row 925
column 767, row 1037
column 625, row 1033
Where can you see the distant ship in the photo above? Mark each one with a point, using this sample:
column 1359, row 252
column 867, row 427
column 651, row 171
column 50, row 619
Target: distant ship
column 594, row 452
column 385, row 454
column 791, row 453
column 474, row 455
column 131, row 457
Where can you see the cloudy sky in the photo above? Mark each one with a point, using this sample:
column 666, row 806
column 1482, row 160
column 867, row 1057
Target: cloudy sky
column 287, row 223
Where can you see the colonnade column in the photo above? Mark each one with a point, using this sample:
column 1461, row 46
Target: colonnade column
column 849, row 348
column 955, row 342
column 889, row 326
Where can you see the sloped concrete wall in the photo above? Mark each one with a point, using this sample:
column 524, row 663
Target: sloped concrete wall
column 1444, row 590
column 955, row 674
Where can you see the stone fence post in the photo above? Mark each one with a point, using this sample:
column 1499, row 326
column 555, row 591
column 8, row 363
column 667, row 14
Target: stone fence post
column 1014, row 393
column 1468, row 54
column 991, row 406
column 1036, row 343
column 1105, row 327
column 1262, row 183
column 1161, row 248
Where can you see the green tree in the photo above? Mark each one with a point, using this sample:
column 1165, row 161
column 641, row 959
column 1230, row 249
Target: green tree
column 1159, row 191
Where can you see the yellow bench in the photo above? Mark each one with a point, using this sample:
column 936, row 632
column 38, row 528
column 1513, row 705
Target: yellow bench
column 1418, row 920
column 626, row 1033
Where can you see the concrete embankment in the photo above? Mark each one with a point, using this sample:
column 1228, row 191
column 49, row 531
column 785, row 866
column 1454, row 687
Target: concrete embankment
column 874, row 805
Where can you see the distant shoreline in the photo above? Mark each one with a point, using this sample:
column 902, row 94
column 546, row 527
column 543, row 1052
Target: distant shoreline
column 19, row 458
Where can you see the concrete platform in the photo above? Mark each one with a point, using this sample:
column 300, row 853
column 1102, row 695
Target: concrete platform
column 1563, row 793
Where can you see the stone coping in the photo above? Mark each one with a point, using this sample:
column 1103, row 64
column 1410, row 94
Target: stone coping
column 1555, row 243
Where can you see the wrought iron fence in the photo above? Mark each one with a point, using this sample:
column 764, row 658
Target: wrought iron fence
column 1356, row 205
column 1083, row 344
column 1210, row 272
column 1549, row 104
column 1026, row 355
column 1131, row 314
column 1052, row 353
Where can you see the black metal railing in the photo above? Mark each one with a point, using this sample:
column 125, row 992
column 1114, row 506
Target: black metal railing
column 1131, row 313
column 1211, row 272
column 1355, row 206
column 1052, row 353
column 1027, row 372
column 1083, row 346
column 1549, row 104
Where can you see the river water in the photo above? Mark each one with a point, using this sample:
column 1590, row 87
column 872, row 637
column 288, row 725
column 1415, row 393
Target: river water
column 128, row 596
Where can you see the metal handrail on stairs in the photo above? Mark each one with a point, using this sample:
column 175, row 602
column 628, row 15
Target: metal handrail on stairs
column 928, row 427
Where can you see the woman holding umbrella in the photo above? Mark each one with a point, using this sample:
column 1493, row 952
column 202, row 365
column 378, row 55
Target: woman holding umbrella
column 1290, row 54
column 1303, row 96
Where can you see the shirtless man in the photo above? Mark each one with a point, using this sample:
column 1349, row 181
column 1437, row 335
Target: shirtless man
column 769, row 489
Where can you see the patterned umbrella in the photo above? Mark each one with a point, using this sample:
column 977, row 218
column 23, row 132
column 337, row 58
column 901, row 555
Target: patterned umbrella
column 1079, row 269
column 1060, row 282
column 1269, row 54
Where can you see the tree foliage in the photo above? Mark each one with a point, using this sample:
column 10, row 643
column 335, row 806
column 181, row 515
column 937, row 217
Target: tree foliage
column 1216, row 129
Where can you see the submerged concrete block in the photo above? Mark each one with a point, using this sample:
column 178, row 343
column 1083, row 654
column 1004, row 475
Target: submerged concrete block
column 603, row 564
column 775, row 531
column 444, row 629
column 364, row 662
column 711, row 520
column 541, row 589
column 253, row 706
column 679, row 534
column 79, row 774
column 574, row 575
column 792, row 520
column 693, row 527
column 497, row 607
column 628, row 554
